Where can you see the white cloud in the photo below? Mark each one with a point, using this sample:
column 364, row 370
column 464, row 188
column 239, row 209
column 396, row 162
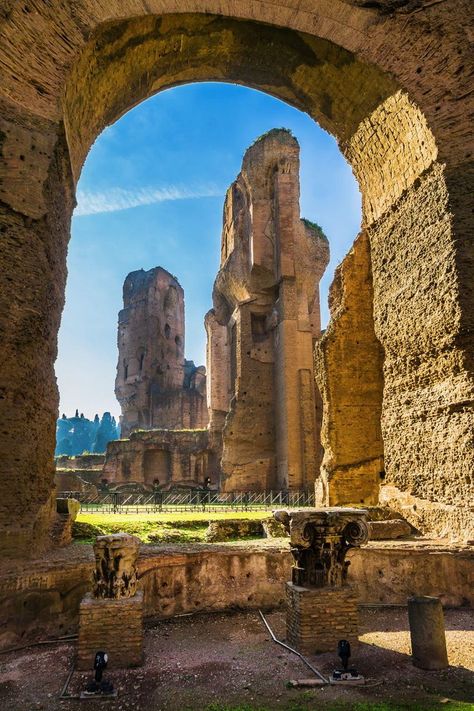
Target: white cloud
column 114, row 199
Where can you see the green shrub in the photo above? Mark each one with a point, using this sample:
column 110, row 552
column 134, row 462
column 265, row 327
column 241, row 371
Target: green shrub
column 81, row 529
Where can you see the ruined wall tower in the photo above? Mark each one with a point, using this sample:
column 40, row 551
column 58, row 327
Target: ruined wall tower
column 261, row 332
column 155, row 386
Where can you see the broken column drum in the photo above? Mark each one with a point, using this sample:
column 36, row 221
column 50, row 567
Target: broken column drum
column 428, row 639
column 322, row 607
column 111, row 617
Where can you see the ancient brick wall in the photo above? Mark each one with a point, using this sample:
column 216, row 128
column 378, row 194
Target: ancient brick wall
column 318, row 618
column 169, row 457
column 155, row 385
column 42, row 599
column 265, row 321
column 349, row 372
column 115, row 626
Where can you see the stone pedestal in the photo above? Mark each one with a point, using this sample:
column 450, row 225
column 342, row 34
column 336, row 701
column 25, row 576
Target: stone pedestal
column 111, row 625
column 322, row 608
column 317, row 618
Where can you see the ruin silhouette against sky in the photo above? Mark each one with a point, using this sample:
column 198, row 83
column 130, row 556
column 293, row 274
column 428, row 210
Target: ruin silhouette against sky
column 151, row 194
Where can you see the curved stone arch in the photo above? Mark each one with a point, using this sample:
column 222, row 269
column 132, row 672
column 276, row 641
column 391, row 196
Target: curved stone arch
column 414, row 211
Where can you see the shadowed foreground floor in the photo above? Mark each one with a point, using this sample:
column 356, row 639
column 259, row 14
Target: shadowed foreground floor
column 227, row 661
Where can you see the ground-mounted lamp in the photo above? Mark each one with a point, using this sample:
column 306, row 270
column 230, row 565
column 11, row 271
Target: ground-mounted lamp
column 99, row 686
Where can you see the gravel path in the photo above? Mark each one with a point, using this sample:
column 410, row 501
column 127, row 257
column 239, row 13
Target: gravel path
column 194, row 661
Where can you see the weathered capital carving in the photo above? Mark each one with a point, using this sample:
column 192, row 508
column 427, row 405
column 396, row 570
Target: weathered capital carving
column 319, row 541
column 115, row 574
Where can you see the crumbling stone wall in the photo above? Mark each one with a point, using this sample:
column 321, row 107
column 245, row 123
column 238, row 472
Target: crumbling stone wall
column 349, row 372
column 82, row 473
column 393, row 87
column 265, row 320
column 41, row 600
column 167, row 457
column 155, row 386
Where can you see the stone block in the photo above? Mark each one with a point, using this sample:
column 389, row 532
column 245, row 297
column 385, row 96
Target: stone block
column 317, row 618
column 389, row 530
column 69, row 507
column 114, row 626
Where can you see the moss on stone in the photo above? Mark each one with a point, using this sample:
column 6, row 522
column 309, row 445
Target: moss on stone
column 315, row 227
column 275, row 132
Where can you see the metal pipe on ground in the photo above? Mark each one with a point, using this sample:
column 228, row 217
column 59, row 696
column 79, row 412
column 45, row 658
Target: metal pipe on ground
column 294, row 651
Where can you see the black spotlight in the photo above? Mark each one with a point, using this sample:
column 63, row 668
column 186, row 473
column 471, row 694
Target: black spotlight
column 344, row 652
column 98, row 686
column 345, row 675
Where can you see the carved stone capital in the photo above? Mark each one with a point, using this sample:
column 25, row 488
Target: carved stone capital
column 115, row 574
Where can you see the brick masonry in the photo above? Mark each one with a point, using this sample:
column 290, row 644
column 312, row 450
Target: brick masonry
column 113, row 626
column 317, row 618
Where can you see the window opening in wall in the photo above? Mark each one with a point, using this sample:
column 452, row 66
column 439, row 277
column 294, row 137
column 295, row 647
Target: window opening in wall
column 258, row 326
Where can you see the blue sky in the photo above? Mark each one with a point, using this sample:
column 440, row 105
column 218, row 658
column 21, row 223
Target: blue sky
column 151, row 194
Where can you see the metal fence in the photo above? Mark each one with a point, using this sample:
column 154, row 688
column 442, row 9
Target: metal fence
column 189, row 500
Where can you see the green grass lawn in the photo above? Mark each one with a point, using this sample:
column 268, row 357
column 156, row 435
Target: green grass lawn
column 169, row 518
column 317, row 705
column 185, row 527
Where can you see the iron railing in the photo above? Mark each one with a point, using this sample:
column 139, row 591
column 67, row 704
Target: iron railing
column 189, row 500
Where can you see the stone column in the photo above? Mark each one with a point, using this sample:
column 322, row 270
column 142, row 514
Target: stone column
column 218, row 371
column 428, row 640
column 321, row 607
column 111, row 617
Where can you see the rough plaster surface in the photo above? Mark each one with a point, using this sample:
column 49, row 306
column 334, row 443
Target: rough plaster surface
column 348, row 368
column 83, row 64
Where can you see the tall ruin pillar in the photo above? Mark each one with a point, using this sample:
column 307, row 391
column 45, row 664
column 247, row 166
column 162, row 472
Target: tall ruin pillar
column 349, row 372
column 37, row 199
column 266, row 296
column 298, row 255
column 155, row 386
column 218, row 365
column 218, row 358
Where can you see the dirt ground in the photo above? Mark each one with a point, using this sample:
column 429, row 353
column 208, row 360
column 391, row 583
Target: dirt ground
column 195, row 662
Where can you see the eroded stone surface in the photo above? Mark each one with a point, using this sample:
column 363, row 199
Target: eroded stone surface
column 81, row 65
column 41, row 599
column 161, row 457
column 349, row 373
column 319, row 542
column 155, row 386
column 265, row 320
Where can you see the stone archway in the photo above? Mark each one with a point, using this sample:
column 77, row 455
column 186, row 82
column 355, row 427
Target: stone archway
column 376, row 78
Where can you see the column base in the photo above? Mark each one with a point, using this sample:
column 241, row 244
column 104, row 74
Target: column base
column 317, row 618
column 112, row 626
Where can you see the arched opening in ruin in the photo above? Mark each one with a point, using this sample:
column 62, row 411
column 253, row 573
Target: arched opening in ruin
column 153, row 311
column 421, row 303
